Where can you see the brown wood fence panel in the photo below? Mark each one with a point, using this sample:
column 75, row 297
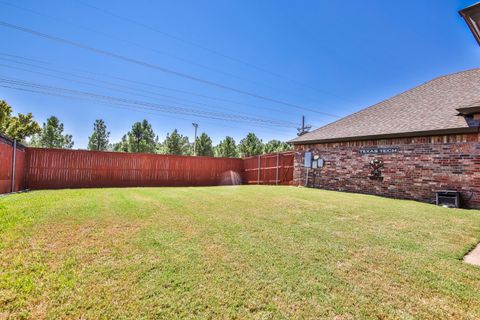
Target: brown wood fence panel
column 273, row 168
column 57, row 168
column 6, row 158
column 38, row 168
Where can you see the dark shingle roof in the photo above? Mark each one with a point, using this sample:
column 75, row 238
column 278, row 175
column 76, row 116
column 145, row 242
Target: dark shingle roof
column 430, row 107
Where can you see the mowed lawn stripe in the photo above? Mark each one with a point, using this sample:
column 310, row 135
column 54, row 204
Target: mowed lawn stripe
column 233, row 252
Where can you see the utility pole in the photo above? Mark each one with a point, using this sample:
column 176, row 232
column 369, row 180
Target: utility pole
column 195, row 125
column 304, row 129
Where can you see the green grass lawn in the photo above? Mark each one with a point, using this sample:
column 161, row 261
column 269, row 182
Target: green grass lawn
column 234, row 252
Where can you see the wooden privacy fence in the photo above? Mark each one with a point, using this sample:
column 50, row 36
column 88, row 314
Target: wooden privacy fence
column 39, row 168
column 273, row 168
column 12, row 166
column 57, row 168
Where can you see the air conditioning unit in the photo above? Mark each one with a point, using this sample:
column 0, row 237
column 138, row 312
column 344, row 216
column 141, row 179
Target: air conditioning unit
column 448, row 198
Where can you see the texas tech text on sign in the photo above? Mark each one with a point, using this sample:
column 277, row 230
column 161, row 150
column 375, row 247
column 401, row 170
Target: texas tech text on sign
column 378, row 150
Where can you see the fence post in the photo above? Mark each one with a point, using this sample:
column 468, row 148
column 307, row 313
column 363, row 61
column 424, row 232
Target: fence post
column 258, row 175
column 278, row 167
column 14, row 156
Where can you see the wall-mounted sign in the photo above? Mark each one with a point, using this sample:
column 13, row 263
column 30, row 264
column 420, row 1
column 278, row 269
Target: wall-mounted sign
column 378, row 150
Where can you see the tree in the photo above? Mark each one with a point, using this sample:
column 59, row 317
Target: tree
column 227, row 148
column 5, row 112
column 176, row 143
column 19, row 127
column 276, row 146
column 99, row 139
column 121, row 146
column 142, row 138
column 52, row 135
column 250, row 146
column 204, row 146
column 161, row 148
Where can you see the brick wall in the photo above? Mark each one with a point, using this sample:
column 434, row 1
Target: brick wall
column 422, row 166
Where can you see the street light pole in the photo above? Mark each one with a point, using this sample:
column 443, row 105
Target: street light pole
column 195, row 125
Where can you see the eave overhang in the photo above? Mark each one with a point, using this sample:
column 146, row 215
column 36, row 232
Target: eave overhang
column 473, row 129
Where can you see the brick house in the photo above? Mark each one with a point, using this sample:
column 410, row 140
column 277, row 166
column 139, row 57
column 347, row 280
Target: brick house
column 409, row 146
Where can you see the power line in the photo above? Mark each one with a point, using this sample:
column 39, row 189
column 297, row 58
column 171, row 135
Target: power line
column 263, row 129
column 134, row 108
column 131, row 89
column 150, row 93
column 176, row 117
column 156, row 86
column 138, row 45
column 213, row 51
column 115, row 84
column 156, row 67
column 147, row 105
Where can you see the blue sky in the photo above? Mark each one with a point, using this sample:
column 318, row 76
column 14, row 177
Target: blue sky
column 332, row 57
